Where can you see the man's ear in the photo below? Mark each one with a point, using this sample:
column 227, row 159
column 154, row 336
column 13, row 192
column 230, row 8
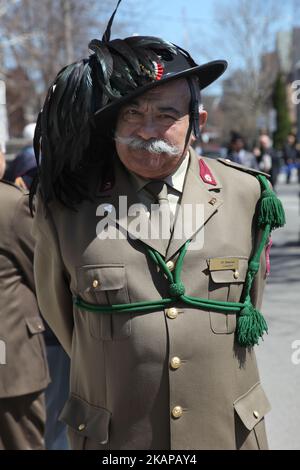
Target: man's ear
column 202, row 118
column 202, row 122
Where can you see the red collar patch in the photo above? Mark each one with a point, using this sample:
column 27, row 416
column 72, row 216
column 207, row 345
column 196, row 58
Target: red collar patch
column 205, row 174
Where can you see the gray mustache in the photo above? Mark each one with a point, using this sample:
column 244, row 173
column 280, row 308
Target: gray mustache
column 152, row 145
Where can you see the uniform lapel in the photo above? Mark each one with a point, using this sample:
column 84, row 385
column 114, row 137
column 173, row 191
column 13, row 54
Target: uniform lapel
column 197, row 195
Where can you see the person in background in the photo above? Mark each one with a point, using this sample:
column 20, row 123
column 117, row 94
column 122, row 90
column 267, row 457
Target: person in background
column 290, row 155
column 24, row 370
column 22, row 172
column 57, row 392
column 298, row 160
column 268, row 158
column 24, row 160
column 237, row 152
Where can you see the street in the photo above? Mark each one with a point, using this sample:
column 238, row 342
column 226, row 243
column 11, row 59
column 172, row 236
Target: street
column 280, row 375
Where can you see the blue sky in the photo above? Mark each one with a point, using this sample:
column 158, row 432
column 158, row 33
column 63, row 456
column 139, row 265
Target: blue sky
column 190, row 23
column 171, row 14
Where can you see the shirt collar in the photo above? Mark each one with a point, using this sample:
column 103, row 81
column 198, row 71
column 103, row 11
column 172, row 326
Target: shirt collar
column 176, row 180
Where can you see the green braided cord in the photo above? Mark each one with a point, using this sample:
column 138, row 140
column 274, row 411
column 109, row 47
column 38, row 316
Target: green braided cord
column 133, row 307
column 251, row 323
column 215, row 305
column 176, row 288
column 179, row 263
column 160, row 261
column 152, row 255
column 255, row 261
column 264, row 183
column 162, row 303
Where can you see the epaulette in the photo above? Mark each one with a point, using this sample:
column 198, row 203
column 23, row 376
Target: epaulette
column 10, row 183
column 237, row 166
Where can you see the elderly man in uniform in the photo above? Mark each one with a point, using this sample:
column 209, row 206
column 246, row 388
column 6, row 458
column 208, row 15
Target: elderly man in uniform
column 23, row 364
column 156, row 304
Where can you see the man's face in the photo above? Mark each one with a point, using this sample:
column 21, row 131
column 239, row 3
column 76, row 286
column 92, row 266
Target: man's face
column 238, row 145
column 159, row 117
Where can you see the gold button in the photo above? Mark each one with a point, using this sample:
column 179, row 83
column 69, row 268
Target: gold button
column 175, row 362
column 95, row 283
column 172, row 312
column 170, row 265
column 256, row 414
column 213, row 201
column 177, row 412
column 236, row 274
column 81, row 427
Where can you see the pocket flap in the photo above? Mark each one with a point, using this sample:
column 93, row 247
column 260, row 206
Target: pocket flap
column 252, row 406
column 87, row 420
column 35, row 324
column 97, row 278
column 223, row 275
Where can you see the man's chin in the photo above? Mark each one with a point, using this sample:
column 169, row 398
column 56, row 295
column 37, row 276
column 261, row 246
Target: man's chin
column 153, row 165
column 156, row 158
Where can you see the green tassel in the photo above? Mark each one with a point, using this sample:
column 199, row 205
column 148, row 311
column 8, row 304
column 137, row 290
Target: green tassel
column 271, row 211
column 251, row 326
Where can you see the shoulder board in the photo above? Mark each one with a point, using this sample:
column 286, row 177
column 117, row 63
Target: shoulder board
column 237, row 166
column 10, row 183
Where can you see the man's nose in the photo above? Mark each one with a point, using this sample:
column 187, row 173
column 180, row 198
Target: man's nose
column 148, row 129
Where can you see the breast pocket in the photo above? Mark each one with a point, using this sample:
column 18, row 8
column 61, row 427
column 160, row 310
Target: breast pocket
column 226, row 282
column 105, row 285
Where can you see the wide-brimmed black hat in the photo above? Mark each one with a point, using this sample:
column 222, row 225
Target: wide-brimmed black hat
column 140, row 63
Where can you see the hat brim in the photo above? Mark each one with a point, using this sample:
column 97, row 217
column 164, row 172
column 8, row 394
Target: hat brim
column 206, row 73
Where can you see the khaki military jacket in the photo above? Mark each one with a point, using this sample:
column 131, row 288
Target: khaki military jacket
column 23, row 363
column 174, row 378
